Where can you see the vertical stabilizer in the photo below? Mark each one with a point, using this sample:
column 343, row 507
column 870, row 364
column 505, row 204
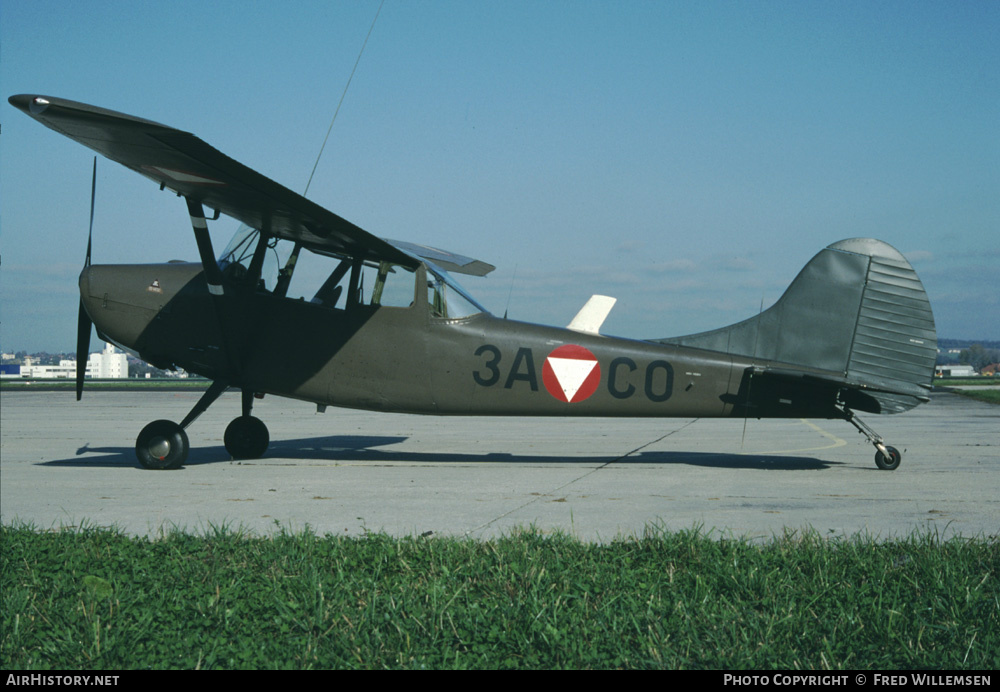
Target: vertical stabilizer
column 857, row 310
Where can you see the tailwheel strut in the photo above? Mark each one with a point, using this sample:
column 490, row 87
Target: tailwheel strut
column 886, row 458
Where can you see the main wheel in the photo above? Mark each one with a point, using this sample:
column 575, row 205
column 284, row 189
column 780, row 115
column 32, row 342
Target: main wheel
column 892, row 462
column 246, row 438
column 162, row 445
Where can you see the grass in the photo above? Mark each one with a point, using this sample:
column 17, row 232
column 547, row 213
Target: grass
column 98, row 599
column 990, row 396
column 985, row 388
column 123, row 384
column 981, row 381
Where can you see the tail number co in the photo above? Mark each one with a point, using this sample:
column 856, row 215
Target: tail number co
column 657, row 384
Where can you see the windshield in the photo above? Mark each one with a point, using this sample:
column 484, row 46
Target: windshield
column 235, row 259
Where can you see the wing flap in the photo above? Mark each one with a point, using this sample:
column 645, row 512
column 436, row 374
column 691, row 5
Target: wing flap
column 448, row 261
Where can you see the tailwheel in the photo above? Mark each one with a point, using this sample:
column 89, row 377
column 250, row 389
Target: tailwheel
column 246, row 438
column 890, row 462
column 886, row 458
column 161, row 445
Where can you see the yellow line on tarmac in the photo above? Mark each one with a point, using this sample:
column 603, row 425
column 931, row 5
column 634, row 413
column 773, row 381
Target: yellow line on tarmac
column 834, row 442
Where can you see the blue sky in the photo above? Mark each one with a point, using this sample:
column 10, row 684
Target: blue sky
column 687, row 158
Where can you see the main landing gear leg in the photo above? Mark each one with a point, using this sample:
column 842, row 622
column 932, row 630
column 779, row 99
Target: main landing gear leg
column 886, row 458
column 247, row 437
column 163, row 444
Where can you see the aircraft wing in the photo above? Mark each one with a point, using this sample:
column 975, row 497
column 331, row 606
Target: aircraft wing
column 188, row 166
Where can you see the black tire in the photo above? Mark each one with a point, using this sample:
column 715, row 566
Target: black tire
column 247, row 438
column 890, row 464
column 162, row 445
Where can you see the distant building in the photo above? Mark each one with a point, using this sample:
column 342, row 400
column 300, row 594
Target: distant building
column 109, row 364
column 955, row 371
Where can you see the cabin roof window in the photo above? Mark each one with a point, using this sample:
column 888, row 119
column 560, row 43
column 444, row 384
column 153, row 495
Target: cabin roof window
column 447, row 298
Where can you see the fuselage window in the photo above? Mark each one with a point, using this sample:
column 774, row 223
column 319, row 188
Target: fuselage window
column 329, row 294
column 294, row 272
column 387, row 285
column 447, row 299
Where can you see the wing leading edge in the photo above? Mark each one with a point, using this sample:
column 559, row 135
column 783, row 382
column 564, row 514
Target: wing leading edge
column 185, row 164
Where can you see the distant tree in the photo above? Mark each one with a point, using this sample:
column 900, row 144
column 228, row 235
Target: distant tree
column 945, row 358
column 138, row 368
column 977, row 356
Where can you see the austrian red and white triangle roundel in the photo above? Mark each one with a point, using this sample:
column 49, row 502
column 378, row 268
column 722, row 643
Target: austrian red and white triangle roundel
column 571, row 373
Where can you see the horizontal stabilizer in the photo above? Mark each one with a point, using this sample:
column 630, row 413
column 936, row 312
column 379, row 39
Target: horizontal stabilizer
column 592, row 315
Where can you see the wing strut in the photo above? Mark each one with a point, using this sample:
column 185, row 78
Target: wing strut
column 207, row 399
column 213, row 275
column 285, row 274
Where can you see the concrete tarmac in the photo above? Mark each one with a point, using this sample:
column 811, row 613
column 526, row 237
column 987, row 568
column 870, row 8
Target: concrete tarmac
column 64, row 463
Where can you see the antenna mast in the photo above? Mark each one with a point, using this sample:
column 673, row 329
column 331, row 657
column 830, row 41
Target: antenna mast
column 339, row 103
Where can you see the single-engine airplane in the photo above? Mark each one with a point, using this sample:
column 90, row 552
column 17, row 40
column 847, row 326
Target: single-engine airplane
column 389, row 329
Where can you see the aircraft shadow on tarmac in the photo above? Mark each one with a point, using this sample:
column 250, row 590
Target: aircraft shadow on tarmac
column 362, row 448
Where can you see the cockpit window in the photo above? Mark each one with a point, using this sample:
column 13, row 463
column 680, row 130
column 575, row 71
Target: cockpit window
column 236, row 259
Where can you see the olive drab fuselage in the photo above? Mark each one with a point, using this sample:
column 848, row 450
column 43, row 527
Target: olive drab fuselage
column 398, row 358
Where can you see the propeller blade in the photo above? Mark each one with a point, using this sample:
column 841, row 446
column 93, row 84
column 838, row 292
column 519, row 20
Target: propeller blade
column 83, row 330
column 93, row 196
column 83, row 321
